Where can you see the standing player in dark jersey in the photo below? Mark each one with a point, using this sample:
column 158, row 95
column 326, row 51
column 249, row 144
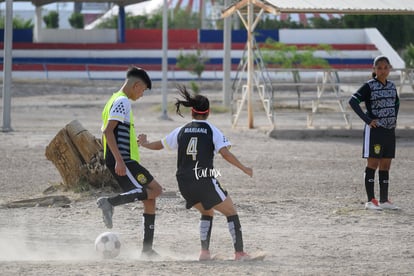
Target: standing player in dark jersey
column 382, row 104
column 122, row 156
column 197, row 142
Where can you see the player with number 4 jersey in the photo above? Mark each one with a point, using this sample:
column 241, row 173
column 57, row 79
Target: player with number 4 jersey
column 196, row 143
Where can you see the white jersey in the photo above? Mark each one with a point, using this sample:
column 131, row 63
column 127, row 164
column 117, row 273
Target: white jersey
column 120, row 110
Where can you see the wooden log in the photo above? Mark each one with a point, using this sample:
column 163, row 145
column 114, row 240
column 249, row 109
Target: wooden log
column 65, row 157
column 46, row 201
column 78, row 156
column 83, row 140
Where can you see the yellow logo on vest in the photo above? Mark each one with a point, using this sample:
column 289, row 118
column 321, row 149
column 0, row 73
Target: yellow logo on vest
column 142, row 179
column 377, row 149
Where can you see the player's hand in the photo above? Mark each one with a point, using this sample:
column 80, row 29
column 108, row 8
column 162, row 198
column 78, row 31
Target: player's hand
column 248, row 171
column 142, row 139
column 120, row 168
column 374, row 123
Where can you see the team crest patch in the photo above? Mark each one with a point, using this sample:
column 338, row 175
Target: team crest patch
column 377, row 149
column 141, row 179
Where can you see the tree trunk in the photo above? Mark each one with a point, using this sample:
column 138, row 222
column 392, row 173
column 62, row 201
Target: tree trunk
column 78, row 156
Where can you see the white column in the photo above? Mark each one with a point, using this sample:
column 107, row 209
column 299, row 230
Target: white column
column 37, row 24
column 7, row 66
column 164, row 114
column 227, row 58
column 250, row 64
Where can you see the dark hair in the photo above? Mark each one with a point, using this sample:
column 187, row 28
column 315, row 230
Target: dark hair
column 200, row 104
column 377, row 60
column 140, row 74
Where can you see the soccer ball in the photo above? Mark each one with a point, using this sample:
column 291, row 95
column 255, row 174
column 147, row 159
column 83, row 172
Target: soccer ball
column 108, row 245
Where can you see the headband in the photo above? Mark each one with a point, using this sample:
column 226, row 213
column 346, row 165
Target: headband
column 199, row 112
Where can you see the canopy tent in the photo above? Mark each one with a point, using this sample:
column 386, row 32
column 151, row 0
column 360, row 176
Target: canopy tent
column 247, row 9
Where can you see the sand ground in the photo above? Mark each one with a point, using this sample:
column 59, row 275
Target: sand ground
column 304, row 205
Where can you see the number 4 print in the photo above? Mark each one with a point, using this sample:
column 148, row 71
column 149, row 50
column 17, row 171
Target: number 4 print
column 192, row 148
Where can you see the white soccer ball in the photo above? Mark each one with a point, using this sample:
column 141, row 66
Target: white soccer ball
column 108, row 245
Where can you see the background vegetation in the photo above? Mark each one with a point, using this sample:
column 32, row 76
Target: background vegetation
column 76, row 20
column 51, row 20
column 18, row 23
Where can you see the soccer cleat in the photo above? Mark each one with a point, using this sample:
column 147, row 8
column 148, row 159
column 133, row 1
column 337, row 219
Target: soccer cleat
column 373, row 205
column 107, row 211
column 242, row 256
column 205, row 255
column 388, row 205
column 150, row 254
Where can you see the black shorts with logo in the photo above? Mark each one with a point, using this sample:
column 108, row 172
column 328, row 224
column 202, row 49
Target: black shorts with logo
column 378, row 142
column 206, row 190
column 136, row 178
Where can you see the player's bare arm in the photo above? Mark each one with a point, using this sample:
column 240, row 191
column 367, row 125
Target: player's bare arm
column 229, row 157
column 156, row 145
column 120, row 167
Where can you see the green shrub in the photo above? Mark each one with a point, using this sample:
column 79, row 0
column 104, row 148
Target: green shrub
column 76, row 20
column 51, row 20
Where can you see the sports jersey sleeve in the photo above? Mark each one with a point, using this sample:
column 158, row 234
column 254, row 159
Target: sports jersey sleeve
column 361, row 96
column 397, row 105
column 120, row 110
column 170, row 141
column 219, row 140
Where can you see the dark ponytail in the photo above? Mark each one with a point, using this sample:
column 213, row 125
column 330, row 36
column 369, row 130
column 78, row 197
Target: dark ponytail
column 199, row 103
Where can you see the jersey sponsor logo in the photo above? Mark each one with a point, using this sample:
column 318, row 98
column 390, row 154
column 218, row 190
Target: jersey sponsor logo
column 205, row 172
column 142, row 179
column 377, row 149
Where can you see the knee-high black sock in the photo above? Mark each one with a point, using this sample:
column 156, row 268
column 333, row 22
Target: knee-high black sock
column 148, row 224
column 206, row 224
column 127, row 198
column 235, row 232
column 369, row 183
column 383, row 183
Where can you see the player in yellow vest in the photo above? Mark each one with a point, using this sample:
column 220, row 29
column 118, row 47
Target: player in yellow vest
column 122, row 156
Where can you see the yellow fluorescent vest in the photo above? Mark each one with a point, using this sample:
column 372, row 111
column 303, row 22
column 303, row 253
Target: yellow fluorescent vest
column 133, row 144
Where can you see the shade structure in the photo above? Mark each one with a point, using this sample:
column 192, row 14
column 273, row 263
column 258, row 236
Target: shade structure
column 326, row 6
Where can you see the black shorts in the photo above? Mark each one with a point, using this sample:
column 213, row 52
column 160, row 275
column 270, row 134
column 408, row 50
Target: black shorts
column 137, row 176
column 206, row 191
column 378, row 143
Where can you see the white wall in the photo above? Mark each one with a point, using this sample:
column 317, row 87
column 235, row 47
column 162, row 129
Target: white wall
column 77, row 36
column 322, row 36
column 375, row 37
column 344, row 36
